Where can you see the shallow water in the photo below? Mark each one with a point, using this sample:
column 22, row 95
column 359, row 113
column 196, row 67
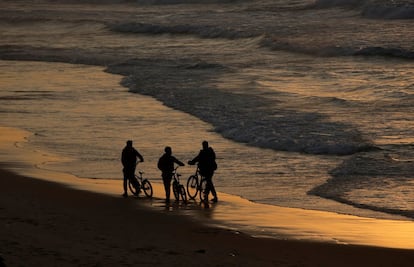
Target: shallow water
column 84, row 116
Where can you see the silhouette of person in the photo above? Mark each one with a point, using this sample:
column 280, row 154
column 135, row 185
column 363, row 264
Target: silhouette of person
column 129, row 162
column 166, row 165
column 206, row 160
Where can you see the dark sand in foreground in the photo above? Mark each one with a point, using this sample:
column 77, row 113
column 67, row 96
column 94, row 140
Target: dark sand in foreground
column 48, row 224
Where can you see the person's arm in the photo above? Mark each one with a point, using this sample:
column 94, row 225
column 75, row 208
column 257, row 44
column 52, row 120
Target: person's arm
column 213, row 154
column 160, row 164
column 123, row 158
column 139, row 156
column 194, row 160
column 178, row 162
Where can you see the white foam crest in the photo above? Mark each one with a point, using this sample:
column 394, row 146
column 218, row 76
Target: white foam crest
column 289, row 140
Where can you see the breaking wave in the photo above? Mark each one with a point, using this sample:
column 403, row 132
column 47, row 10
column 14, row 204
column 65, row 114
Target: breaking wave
column 264, row 40
column 333, row 51
column 376, row 174
column 249, row 119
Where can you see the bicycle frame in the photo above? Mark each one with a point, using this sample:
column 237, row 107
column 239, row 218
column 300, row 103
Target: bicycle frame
column 196, row 185
column 140, row 183
column 178, row 188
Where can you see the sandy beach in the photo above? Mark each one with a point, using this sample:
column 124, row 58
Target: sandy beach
column 48, row 224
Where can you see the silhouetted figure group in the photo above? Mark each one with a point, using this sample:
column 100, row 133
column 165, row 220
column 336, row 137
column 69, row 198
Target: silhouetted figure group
column 206, row 160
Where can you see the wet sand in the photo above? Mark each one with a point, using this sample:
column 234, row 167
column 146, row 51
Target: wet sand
column 85, row 222
column 48, row 224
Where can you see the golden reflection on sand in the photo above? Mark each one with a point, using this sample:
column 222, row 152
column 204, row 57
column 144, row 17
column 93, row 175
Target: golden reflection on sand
column 231, row 211
column 316, row 225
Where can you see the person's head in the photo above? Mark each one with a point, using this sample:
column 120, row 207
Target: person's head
column 129, row 143
column 168, row 150
column 205, row 144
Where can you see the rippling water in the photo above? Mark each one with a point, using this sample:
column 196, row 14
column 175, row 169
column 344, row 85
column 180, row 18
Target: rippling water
column 303, row 101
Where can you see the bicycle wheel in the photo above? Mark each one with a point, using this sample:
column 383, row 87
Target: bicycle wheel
column 203, row 187
column 176, row 191
column 134, row 186
column 183, row 193
column 192, row 186
column 147, row 187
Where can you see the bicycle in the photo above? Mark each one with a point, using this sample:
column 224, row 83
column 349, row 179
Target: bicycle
column 178, row 188
column 196, row 184
column 138, row 183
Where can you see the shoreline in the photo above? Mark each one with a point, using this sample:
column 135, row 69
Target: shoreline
column 81, row 166
column 232, row 213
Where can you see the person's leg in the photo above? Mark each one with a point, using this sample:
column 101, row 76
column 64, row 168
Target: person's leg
column 210, row 187
column 134, row 181
column 207, row 176
column 166, row 178
column 213, row 189
column 125, row 182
